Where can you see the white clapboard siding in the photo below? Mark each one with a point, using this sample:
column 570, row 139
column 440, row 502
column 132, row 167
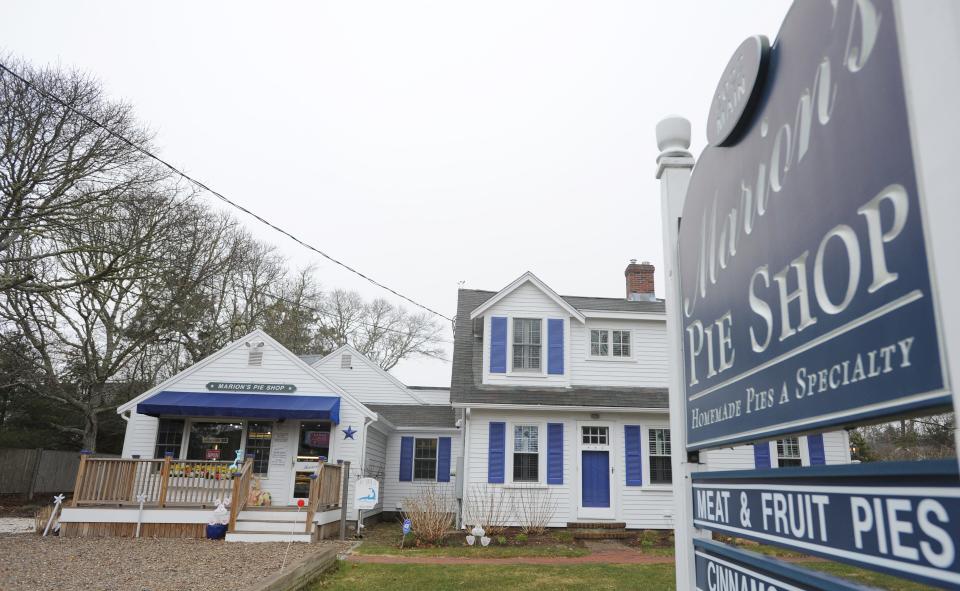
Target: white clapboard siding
column 140, row 438
column 433, row 395
column 646, row 506
column 397, row 491
column 375, row 462
column 647, row 366
column 836, row 447
column 363, row 379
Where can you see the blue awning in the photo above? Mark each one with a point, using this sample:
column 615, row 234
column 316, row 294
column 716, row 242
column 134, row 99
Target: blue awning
column 254, row 406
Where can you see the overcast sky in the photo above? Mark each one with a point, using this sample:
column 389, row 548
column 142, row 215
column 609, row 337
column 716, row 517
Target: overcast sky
column 424, row 143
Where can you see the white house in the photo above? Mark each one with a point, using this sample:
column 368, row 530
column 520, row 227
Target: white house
column 565, row 398
column 254, row 397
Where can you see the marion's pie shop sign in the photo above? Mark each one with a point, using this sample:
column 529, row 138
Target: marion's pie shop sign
column 806, row 292
column 248, row 387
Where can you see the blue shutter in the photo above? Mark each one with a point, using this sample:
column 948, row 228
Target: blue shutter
column 443, row 459
column 632, row 447
column 406, row 459
column 495, row 452
column 554, row 453
column 815, row 448
column 761, row 455
column 498, row 344
column 555, row 346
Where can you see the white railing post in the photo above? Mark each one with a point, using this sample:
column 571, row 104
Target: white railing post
column 674, row 166
column 929, row 50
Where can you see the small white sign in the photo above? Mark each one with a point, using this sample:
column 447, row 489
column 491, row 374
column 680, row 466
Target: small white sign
column 367, row 493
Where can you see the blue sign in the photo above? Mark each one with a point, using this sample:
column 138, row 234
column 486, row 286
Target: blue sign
column 805, row 292
column 406, row 526
column 720, row 567
column 898, row 517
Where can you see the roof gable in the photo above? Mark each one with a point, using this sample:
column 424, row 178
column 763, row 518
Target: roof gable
column 330, row 365
column 532, row 279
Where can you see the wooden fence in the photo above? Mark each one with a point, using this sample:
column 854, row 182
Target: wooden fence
column 31, row 471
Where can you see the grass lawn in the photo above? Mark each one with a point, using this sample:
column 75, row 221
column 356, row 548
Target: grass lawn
column 427, row 576
column 650, row 577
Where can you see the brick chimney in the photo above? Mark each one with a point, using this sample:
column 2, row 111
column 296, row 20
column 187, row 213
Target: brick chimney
column 640, row 281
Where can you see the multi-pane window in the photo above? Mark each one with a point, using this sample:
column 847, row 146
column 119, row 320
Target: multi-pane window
column 169, row 438
column 526, row 344
column 259, row 436
column 425, row 459
column 599, row 343
column 595, row 435
column 609, row 343
column 660, row 470
column 621, row 343
column 788, row 452
column 526, row 453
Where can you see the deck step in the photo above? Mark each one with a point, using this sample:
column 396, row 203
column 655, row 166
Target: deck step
column 596, row 525
column 603, row 534
column 268, row 536
column 263, row 515
column 274, row 526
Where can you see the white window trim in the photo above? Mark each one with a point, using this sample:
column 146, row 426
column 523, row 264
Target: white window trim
column 436, row 461
column 804, row 452
column 541, row 456
column 610, row 357
column 647, row 477
column 526, row 373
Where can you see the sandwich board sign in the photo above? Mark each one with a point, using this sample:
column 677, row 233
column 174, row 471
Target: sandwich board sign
column 806, row 290
column 804, row 297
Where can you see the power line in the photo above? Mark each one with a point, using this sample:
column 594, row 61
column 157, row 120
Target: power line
column 217, row 194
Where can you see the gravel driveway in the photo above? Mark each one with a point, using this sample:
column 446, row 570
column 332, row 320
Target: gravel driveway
column 31, row 562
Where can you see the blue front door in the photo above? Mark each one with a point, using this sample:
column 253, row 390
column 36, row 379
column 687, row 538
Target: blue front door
column 595, row 479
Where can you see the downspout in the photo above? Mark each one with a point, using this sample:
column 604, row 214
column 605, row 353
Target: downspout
column 466, row 469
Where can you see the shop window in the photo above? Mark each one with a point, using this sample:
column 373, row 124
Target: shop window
column 259, row 436
column 214, row 441
column 314, row 441
column 169, row 438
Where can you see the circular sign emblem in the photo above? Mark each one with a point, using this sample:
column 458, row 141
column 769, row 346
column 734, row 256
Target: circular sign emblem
column 737, row 91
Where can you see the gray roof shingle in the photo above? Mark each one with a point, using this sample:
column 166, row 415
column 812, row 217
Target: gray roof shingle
column 466, row 387
column 416, row 415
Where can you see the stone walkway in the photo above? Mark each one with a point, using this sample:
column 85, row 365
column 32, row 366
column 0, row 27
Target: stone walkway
column 600, row 553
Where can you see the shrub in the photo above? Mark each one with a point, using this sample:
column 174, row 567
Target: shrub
column 521, row 538
column 534, row 508
column 487, row 507
column 563, row 537
column 430, row 512
column 502, row 540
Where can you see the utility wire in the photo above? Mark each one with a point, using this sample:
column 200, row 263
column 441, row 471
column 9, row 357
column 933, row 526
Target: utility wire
column 217, row 194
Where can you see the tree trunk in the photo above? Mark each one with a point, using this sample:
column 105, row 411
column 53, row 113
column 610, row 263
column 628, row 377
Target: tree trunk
column 91, row 426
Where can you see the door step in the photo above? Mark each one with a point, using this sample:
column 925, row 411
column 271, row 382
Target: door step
column 602, row 534
column 268, row 536
column 264, row 525
column 596, row 525
column 278, row 515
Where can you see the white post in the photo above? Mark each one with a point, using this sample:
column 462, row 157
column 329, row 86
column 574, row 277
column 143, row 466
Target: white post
column 673, row 169
column 140, row 499
column 57, row 501
column 930, row 51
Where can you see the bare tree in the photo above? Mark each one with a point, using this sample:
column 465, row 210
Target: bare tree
column 56, row 166
column 99, row 341
column 378, row 329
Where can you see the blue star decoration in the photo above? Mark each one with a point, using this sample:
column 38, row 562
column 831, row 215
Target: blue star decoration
column 349, row 432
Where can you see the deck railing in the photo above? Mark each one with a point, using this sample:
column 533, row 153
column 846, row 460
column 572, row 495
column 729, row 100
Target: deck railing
column 162, row 483
column 324, row 491
column 241, row 491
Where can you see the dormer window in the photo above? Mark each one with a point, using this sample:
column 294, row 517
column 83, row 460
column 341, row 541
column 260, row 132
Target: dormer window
column 526, row 344
column 610, row 343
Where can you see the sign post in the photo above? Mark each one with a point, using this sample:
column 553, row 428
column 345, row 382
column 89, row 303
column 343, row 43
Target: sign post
column 811, row 285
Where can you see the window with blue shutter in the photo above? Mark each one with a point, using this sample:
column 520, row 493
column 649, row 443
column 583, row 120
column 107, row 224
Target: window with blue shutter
column 406, row 459
column 761, row 455
column 498, row 344
column 495, row 452
column 443, row 460
column 815, row 447
column 554, row 453
column 633, row 451
column 555, row 346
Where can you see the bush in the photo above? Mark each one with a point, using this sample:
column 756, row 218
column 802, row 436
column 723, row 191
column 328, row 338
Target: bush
column 534, row 508
column 430, row 512
column 502, row 540
column 563, row 537
column 487, row 507
column 521, row 538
